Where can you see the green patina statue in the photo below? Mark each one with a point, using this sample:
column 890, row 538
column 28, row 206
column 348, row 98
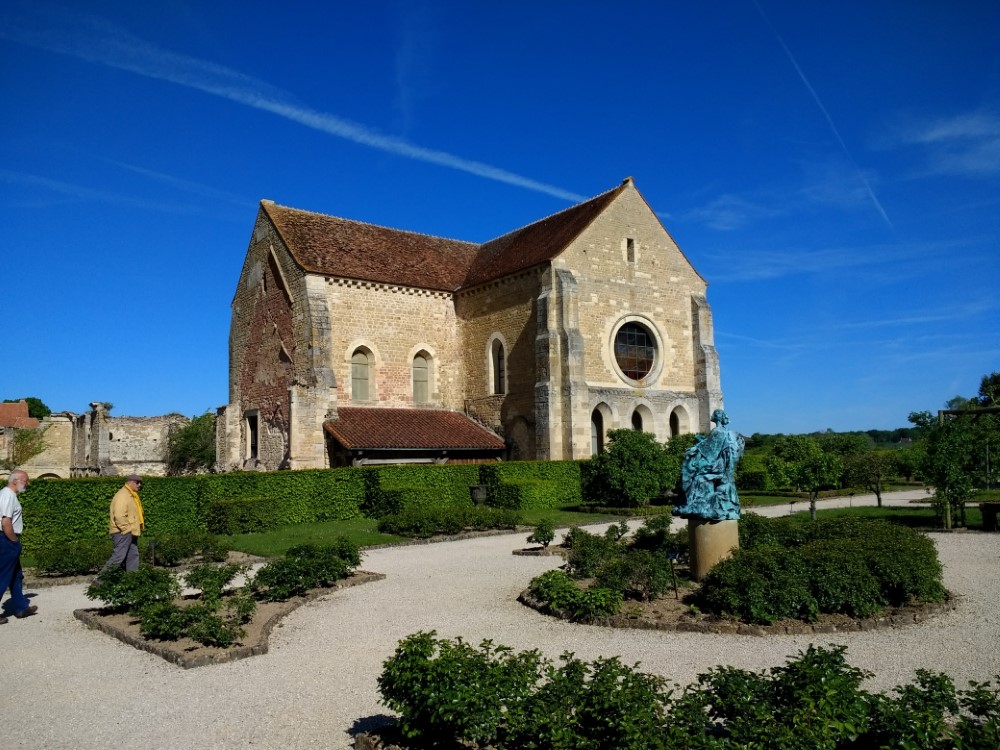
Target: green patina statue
column 708, row 474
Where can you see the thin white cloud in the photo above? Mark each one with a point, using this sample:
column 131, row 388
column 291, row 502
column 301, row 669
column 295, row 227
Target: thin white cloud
column 728, row 212
column 96, row 41
column 73, row 193
column 829, row 120
column 176, row 182
column 749, row 265
column 965, row 144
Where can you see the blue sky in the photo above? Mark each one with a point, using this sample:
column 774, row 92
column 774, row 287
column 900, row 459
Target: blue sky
column 832, row 170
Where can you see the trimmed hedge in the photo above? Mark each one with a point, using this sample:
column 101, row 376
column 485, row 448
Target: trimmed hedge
column 59, row 512
column 427, row 522
column 243, row 516
column 530, row 485
column 392, row 489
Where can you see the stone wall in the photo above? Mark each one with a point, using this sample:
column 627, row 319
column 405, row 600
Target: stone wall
column 392, row 324
column 502, row 311
column 98, row 444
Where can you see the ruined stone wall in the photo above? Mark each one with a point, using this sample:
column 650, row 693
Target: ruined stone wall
column 97, row 444
column 138, row 445
column 54, row 461
column 392, row 324
column 263, row 347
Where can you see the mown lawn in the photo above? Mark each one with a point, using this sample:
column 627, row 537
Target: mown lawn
column 364, row 532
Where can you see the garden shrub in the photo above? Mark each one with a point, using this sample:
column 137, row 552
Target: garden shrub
column 656, row 535
column 305, row 567
column 243, row 516
column 851, row 566
column 633, row 469
column 544, row 533
column 135, row 589
column 638, row 574
column 759, row 531
column 449, row 694
column 164, row 621
column 208, row 627
column 759, row 585
column 169, row 550
column 448, row 691
column 840, row 580
column 561, row 593
column 74, row 558
column 589, row 552
column 212, row 580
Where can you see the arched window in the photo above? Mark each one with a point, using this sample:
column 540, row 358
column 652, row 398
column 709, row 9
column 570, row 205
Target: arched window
column 360, row 371
column 675, row 424
column 637, row 421
column 596, row 433
column 421, row 379
column 499, row 367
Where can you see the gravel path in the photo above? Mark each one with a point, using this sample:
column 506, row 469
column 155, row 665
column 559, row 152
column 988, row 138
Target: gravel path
column 70, row 687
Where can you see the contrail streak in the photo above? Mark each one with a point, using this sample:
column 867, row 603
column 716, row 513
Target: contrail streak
column 829, row 120
column 97, row 41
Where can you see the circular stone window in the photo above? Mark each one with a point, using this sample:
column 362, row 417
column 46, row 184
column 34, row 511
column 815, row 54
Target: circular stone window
column 635, row 351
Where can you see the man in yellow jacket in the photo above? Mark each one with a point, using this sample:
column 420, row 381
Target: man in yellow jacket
column 125, row 525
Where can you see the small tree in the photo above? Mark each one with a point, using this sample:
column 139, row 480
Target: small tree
column 191, row 448
column 872, row 470
column 25, row 445
column 817, row 473
column 633, row 469
column 544, row 532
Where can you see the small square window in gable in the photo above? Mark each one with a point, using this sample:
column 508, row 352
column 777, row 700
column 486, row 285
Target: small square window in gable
column 630, row 249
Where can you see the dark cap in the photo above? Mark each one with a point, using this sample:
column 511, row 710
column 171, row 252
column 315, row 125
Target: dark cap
column 133, row 478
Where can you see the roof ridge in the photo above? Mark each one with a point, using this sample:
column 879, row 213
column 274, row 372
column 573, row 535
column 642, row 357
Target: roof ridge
column 574, row 207
column 265, row 203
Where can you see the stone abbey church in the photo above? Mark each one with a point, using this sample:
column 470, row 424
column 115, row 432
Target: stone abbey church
column 353, row 344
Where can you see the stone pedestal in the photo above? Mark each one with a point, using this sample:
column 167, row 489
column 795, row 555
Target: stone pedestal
column 710, row 542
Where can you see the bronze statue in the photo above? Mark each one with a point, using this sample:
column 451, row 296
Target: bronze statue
column 708, row 474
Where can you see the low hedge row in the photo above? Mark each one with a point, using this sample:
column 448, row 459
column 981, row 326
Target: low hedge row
column 451, row 694
column 427, row 522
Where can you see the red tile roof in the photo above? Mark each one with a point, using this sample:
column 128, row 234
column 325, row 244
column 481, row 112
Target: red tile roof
column 351, row 249
column 368, row 428
column 16, row 415
column 538, row 242
column 354, row 250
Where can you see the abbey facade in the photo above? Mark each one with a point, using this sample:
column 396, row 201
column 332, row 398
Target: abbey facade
column 352, row 343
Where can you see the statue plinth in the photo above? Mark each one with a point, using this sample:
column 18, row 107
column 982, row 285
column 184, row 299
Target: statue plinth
column 710, row 542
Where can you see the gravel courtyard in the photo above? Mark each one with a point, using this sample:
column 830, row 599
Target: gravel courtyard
column 74, row 688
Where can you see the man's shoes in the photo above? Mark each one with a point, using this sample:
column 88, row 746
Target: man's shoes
column 27, row 611
column 3, row 620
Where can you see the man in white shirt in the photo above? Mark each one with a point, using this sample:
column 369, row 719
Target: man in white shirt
column 11, row 524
